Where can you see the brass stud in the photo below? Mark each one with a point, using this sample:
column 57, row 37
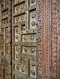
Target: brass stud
column 22, row 6
column 22, row 69
column 33, row 64
column 22, row 17
column 32, row 37
column 33, row 50
column 25, row 49
column 17, row 48
column 17, row 8
column 23, row 28
column 17, row 19
column 16, row 37
column 25, row 38
column 33, row 23
column 33, row 72
column 33, row 16
column 32, row 1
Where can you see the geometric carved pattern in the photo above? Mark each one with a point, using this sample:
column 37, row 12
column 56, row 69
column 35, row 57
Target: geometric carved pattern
column 24, row 39
column 5, row 23
column 35, row 49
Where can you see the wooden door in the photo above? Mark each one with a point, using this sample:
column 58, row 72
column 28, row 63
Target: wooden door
column 24, row 32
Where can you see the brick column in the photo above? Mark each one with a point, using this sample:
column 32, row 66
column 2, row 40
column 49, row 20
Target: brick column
column 47, row 39
column 44, row 36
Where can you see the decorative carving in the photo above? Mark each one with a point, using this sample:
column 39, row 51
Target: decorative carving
column 25, row 49
column 22, row 69
column 5, row 22
column 28, row 38
column 17, row 35
column 26, row 20
column 20, row 8
column 33, row 72
column 32, row 2
column 16, row 19
column 33, row 69
column 33, row 15
column 32, row 37
column 33, row 23
column 17, row 9
column 17, row 50
column 33, row 19
column 22, row 18
column 23, row 27
column 33, row 50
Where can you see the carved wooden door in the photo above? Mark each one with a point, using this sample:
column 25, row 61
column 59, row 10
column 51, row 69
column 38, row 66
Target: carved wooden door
column 5, row 25
column 24, row 31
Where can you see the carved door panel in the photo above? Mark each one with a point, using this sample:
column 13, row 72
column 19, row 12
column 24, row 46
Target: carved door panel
column 24, row 39
column 5, row 23
column 1, row 57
